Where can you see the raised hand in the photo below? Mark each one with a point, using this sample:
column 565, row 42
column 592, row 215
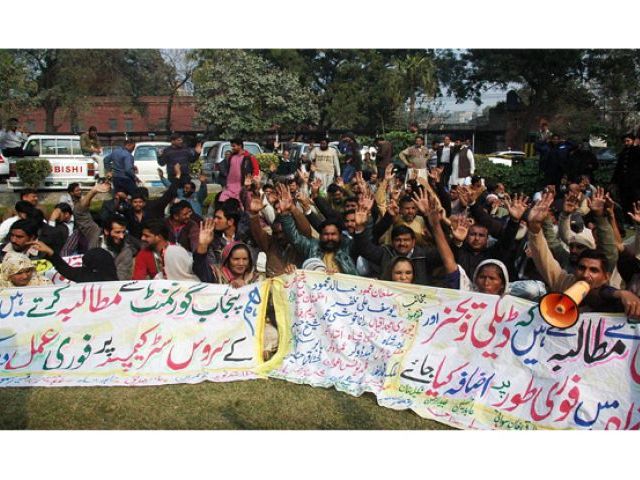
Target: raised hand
column 207, row 231
column 571, row 203
column 362, row 217
column 460, row 225
column 315, row 187
column 388, row 172
column 339, row 181
column 464, row 195
column 304, row 176
column 160, row 173
column 539, row 212
column 366, row 201
column 393, row 208
column 597, row 202
column 517, row 206
column 286, row 201
column 436, row 174
column 248, row 181
column 202, row 177
column 304, row 200
column 635, row 215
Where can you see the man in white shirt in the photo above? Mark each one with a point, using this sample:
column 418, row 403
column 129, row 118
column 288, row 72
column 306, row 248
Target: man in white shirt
column 11, row 139
column 445, row 157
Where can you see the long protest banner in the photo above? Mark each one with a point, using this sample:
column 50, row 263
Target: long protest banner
column 462, row 358
column 130, row 333
column 465, row 359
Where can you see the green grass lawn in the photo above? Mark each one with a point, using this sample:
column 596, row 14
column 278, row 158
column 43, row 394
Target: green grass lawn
column 254, row 404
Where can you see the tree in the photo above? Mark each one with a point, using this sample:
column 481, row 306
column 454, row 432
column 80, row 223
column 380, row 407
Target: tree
column 15, row 87
column 418, row 77
column 64, row 78
column 178, row 76
column 545, row 78
column 239, row 92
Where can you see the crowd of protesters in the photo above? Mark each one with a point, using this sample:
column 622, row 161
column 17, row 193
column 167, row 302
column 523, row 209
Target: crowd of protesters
column 425, row 219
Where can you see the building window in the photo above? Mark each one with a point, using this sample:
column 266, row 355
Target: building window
column 128, row 125
column 113, row 124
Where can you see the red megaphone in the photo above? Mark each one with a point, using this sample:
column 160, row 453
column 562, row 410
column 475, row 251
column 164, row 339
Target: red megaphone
column 560, row 310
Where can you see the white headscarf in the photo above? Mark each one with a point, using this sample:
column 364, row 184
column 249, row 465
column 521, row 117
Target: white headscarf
column 178, row 264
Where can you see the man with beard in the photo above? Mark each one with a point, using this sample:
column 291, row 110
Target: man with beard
column 112, row 237
column 332, row 249
column 327, row 163
column 22, row 234
column 627, row 174
column 155, row 239
column 182, row 229
column 282, row 257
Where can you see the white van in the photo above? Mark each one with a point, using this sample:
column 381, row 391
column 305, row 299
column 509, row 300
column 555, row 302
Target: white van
column 145, row 159
column 68, row 164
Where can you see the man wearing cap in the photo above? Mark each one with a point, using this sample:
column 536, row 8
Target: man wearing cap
column 627, row 174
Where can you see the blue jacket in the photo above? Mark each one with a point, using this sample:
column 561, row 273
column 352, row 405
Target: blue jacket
column 120, row 162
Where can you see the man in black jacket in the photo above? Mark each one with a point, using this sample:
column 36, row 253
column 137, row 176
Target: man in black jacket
column 627, row 174
column 178, row 154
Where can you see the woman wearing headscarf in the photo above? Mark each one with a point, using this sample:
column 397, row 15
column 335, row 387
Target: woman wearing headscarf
column 17, row 270
column 98, row 265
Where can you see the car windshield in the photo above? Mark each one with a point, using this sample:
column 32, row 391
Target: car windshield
column 147, row 153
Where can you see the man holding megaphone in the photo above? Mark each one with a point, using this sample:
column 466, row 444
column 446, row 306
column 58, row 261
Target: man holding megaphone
column 591, row 268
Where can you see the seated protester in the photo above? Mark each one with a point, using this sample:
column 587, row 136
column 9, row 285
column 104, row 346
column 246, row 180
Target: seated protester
column 408, row 218
column 143, row 209
column 73, row 195
column 118, row 205
column 97, row 265
column 21, row 236
column 62, row 216
column 17, row 270
column 227, row 229
column 236, row 267
column 471, row 241
column 490, row 276
column 112, row 237
column 592, row 268
column 188, row 190
column 23, row 210
column 149, row 260
column 177, row 265
column 183, row 230
column 400, row 269
column 403, row 244
column 332, row 247
column 573, row 232
column 281, row 255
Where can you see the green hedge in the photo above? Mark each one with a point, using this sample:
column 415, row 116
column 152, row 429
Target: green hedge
column 32, row 171
column 265, row 160
column 522, row 177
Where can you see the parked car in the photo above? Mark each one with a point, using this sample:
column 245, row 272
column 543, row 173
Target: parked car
column 4, row 168
column 213, row 153
column 145, row 158
column 606, row 156
column 507, row 157
column 68, row 164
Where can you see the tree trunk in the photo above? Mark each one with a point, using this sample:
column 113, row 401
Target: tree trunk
column 169, row 112
column 412, row 108
column 50, row 112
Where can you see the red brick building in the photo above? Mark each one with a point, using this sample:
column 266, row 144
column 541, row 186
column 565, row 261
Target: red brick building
column 115, row 115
